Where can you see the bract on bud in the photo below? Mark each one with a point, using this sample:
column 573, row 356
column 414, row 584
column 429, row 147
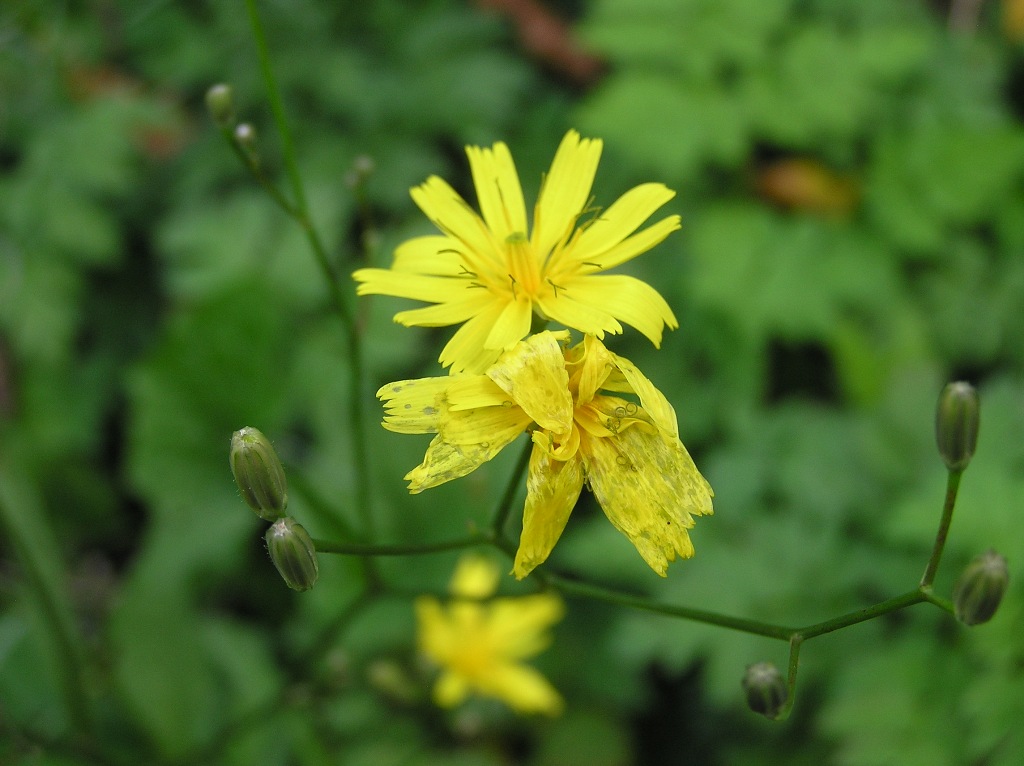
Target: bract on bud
column 765, row 689
column 293, row 553
column 221, row 105
column 979, row 590
column 258, row 473
column 956, row 424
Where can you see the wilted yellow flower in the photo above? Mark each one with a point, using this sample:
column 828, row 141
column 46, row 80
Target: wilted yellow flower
column 480, row 645
column 628, row 454
column 494, row 272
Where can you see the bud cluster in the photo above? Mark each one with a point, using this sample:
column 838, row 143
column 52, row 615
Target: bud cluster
column 261, row 481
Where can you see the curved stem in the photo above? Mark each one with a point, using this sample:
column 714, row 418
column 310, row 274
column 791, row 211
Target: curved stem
column 300, row 212
column 600, row 593
column 952, row 485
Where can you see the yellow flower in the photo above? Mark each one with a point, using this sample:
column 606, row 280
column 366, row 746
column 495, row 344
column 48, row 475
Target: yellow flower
column 480, row 645
column 583, row 433
column 494, row 272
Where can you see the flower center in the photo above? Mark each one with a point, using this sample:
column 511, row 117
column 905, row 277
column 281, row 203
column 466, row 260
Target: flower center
column 523, row 269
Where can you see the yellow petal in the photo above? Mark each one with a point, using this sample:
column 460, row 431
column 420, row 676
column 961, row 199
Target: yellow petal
column 519, row 626
column 533, row 374
column 562, row 307
column 596, row 362
column 404, row 285
column 565, row 191
column 450, row 213
column 465, row 352
column 650, row 489
column 552, row 488
column 413, row 406
column 651, row 399
column 620, row 220
column 450, row 689
column 433, row 254
column 631, row 247
column 498, row 189
column 475, row 577
column 626, row 298
column 523, row 688
column 486, row 428
column 466, row 440
column 468, row 392
column 444, row 314
column 512, row 325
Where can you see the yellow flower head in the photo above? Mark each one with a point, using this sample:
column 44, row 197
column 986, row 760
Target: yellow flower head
column 480, row 645
column 493, row 272
column 628, row 453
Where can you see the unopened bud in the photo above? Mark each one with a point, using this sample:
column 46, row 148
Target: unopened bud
column 979, row 590
column 293, row 553
column 258, row 473
column 245, row 137
column 221, row 105
column 956, row 424
column 765, row 689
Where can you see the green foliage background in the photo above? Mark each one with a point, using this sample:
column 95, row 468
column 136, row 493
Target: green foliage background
column 153, row 300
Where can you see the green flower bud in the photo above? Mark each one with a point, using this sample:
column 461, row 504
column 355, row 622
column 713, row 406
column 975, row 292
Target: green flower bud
column 245, row 137
column 979, row 590
column 765, row 689
column 956, row 424
column 221, row 105
column 293, row 553
column 258, row 473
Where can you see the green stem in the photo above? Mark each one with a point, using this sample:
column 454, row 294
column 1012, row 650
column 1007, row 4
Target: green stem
column 952, row 486
column 398, row 549
column 609, row 596
column 505, row 505
column 300, row 212
column 915, row 596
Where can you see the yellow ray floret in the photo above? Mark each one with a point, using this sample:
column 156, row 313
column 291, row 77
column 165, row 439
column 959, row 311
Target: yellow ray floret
column 491, row 272
column 627, row 450
column 480, row 644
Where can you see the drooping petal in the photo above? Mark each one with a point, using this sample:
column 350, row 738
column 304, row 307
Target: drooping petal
column 513, row 324
column 522, row 687
column 498, row 189
column 454, row 217
column 650, row 490
column 651, row 399
column 596, row 362
column 533, row 374
column 467, row 392
column 620, row 220
column 626, row 298
column 487, row 429
column 413, row 406
column 565, row 190
column 445, row 460
column 552, row 488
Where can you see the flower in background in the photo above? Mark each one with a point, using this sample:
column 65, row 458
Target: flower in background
column 480, row 644
column 493, row 273
column 629, row 454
